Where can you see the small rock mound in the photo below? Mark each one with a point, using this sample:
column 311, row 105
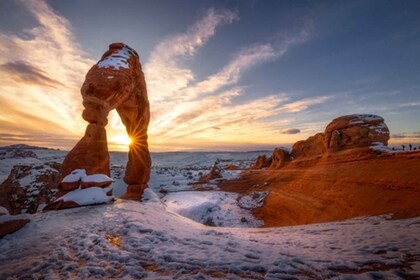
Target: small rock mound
column 10, row 224
column 261, row 162
column 279, row 158
column 214, row 173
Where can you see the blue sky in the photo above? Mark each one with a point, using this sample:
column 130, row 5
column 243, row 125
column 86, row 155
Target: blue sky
column 221, row 75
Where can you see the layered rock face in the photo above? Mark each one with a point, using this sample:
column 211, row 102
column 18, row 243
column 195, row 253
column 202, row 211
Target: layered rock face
column 279, row 158
column 261, row 162
column 354, row 131
column 343, row 133
column 115, row 82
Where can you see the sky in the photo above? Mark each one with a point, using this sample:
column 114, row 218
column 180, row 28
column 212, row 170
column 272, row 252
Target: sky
column 221, row 75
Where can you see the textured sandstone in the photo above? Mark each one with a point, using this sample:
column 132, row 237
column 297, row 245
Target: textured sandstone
column 354, row 131
column 313, row 146
column 261, row 162
column 279, row 158
column 344, row 133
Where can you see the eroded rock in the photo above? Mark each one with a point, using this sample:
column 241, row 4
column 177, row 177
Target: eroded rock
column 115, row 82
column 279, row 158
column 355, row 131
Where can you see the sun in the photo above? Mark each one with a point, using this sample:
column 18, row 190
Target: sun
column 122, row 140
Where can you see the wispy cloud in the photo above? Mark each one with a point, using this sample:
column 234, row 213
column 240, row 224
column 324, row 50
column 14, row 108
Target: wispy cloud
column 41, row 75
column 184, row 108
column 20, row 71
column 164, row 71
column 407, row 135
column 42, row 72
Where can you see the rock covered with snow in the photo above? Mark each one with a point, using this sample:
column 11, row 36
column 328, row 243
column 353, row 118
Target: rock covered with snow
column 78, row 177
column 86, row 190
column 115, row 82
column 253, row 200
column 353, row 131
column 279, row 158
column 30, row 186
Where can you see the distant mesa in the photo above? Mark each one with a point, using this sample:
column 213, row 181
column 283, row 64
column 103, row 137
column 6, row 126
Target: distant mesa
column 115, row 82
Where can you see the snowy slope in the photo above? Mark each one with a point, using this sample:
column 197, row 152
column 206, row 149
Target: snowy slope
column 131, row 240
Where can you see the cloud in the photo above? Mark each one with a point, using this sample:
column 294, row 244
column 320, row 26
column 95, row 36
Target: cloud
column 43, row 69
column 41, row 74
column 407, row 135
column 193, row 110
column 290, row 131
column 21, row 71
column 163, row 71
column 410, row 104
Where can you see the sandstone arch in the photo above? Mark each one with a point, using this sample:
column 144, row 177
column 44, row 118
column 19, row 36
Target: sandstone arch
column 115, row 82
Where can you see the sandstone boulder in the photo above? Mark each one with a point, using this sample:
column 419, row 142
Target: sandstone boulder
column 344, row 133
column 313, row 146
column 261, row 162
column 279, row 158
column 355, row 131
column 10, row 224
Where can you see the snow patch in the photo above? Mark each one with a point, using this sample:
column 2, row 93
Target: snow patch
column 80, row 174
column 117, row 60
column 92, row 195
column 213, row 208
column 253, row 200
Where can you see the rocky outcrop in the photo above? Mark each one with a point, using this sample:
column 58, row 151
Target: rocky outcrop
column 29, row 186
column 261, row 162
column 10, row 224
column 115, row 82
column 354, row 131
column 344, row 133
column 214, row 173
column 279, row 158
column 312, row 146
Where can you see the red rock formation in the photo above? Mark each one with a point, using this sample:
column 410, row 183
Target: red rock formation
column 354, row 131
column 343, row 133
column 261, row 162
column 214, row 173
column 115, row 82
column 312, row 146
column 279, row 158
column 12, row 225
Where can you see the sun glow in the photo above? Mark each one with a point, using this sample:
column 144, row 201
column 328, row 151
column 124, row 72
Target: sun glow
column 121, row 140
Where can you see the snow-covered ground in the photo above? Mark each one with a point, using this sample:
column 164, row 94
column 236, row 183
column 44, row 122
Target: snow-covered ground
column 181, row 232
column 131, row 240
